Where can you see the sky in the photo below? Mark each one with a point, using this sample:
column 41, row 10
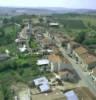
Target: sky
column 79, row 4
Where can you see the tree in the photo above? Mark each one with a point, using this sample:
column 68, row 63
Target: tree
column 12, row 20
column 80, row 37
column 89, row 24
column 2, row 33
column 5, row 21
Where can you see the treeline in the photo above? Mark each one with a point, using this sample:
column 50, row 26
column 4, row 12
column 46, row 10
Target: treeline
column 83, row 38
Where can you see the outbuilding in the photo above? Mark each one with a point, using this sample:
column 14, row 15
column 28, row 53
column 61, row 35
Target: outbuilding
column 71, row 95
column 43, row 62
column 41, row 80
column 42, row 84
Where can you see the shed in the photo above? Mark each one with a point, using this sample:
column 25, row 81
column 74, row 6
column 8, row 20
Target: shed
column 40, row 81
column 53, row 24
column 44, row 88
column 23, row 49
column 71, row 95
column 43, row 62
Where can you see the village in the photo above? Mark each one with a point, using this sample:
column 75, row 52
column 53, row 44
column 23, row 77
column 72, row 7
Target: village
column 70, row 67
column 59, row 67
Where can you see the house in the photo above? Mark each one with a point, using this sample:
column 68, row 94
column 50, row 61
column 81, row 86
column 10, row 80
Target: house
column 20, row 41
column 45, row 42
column 55, row 60
column 86, row 59
column 46, row 51
column 40, row 81
column 77, row 52
column 53, row 24
column 44, row 88
column 67, row 75
column 57, row 63
column 71, row 95
column 43, row 62
column 93, row 74
column 46, row 34
column 42, row 84
column 71, row 46
column 80, row 50
column 23, row 49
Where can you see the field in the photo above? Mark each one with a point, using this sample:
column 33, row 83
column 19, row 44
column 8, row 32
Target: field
column 73, row 24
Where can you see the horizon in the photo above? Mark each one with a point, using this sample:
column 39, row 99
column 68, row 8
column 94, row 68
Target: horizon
column 49, row 8
column 73, row 4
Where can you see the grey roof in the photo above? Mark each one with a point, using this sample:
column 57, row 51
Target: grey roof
column 64, row 66
column 44, row 87
column 71, row 95
column 41, row 80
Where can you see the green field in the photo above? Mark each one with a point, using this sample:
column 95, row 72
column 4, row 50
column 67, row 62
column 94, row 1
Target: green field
column 73, row 24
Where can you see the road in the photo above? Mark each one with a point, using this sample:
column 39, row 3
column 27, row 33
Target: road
column 83, row 75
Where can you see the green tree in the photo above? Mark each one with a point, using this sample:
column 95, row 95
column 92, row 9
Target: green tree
column 2, row 33
column 5, row 21
column 80, row 37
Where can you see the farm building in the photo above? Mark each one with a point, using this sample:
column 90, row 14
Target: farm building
column 71, row 95
column 53, row 24
column 42, row 84
column 42, row 62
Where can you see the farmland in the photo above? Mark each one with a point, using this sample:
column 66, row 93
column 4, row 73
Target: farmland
column 73, row 24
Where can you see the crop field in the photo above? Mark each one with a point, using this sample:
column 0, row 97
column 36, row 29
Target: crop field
column 73, row 24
